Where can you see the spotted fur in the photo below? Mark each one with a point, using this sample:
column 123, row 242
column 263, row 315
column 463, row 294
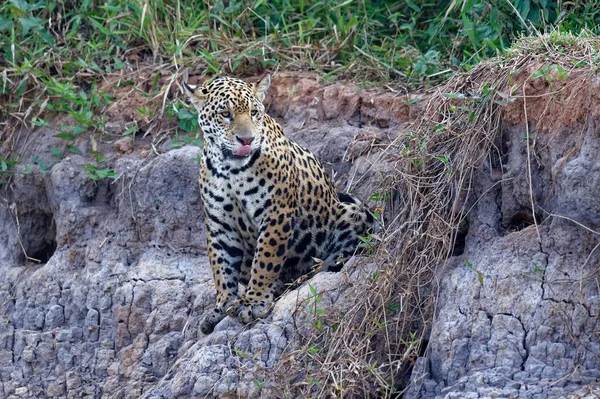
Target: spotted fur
column 270, row 208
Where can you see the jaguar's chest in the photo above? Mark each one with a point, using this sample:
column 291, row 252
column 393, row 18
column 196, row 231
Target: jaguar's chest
column 251, row 197
column 243, row 197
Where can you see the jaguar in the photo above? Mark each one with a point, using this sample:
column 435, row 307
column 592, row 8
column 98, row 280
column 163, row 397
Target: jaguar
column 272, row 212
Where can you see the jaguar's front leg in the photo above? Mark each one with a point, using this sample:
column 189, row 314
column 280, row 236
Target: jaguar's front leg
column 225, row 256
column 270, row 255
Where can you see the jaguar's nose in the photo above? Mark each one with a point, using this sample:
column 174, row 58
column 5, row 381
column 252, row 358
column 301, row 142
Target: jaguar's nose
column 245, row 140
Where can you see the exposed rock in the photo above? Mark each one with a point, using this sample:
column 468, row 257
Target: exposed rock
column 519, row 309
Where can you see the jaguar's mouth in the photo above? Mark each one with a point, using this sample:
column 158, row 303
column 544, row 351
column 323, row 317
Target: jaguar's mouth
column 242, row 151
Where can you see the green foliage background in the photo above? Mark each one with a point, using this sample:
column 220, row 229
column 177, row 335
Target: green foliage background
column 403, row 38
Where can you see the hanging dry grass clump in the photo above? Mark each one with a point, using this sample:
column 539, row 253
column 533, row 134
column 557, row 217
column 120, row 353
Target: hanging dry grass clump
column 369, row 351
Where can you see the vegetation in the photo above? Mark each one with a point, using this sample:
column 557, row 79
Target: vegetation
column 56, row 54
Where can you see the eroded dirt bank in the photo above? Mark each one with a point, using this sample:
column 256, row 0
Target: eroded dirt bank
column 519, row 306
column 114, row 311
column 124, row 280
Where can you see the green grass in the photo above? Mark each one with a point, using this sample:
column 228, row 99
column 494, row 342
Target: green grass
column 55, row 54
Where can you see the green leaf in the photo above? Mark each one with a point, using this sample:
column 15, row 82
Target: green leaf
column 413, row 100
column 420, row 68
column 65, row 136
column 561, row 73
column 5, row 24
column 118, row 64
column 470, row 29
column 176, row 143
column 345, row 3
column 111, row 8
column 31, row 23
column 73, row 149
column 537, row 268
column 76, row 130
column 184, row 114
column 394, row 307
column 131, row 130
column 237, row 61
column 22, row 87
column 47, row 37
column 40, row 122
column 43, row 165
column 537, row 74
column 186, row 123
column 104, row 173
column 20, row 5
column 100, row 27
column 56, row 152
column 524, row 9
column 99, row 156
column 541, row 72
column 412, row 5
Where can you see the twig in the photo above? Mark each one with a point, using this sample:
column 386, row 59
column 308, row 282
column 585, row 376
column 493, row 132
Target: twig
column 13, row 208
column 529, row 167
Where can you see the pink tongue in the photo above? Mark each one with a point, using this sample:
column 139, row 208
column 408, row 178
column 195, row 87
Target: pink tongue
column 243, row 151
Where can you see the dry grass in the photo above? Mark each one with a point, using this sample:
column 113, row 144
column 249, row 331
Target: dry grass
column 370, row 350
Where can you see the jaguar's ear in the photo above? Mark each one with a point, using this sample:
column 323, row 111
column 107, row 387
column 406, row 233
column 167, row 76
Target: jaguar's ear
column 194, row 93
column 260, row 87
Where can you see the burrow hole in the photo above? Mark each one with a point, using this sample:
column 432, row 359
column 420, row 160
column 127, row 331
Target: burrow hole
column 38, row 236
column 520, row 220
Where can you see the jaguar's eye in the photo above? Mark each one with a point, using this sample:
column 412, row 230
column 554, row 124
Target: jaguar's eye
column 226, row 114
column 254, row 112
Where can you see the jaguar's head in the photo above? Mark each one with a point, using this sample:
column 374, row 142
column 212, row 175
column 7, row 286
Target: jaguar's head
column 231, row 114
